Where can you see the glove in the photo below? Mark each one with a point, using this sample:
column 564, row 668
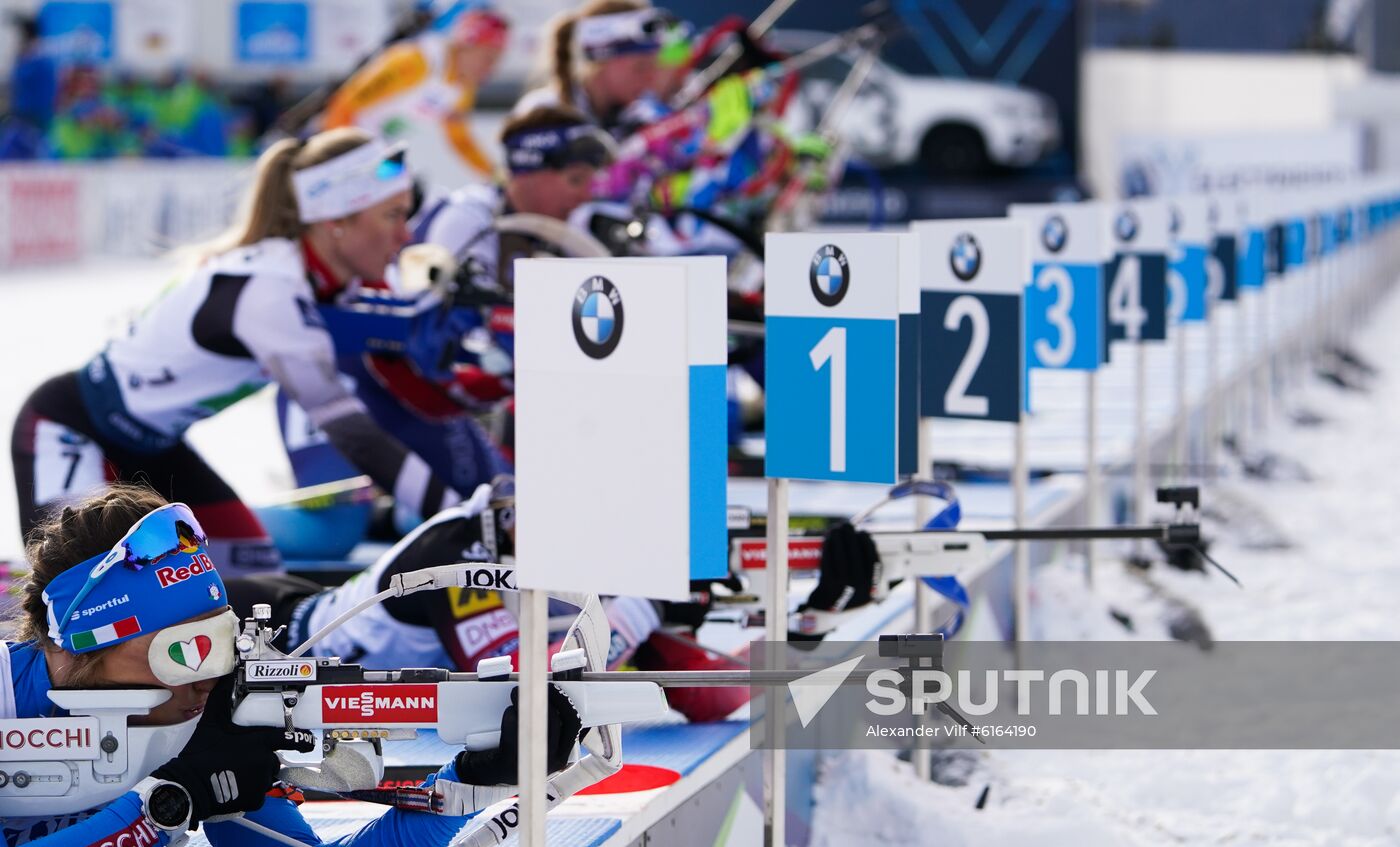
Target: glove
column 850, row 567
column 228, row 768
column 500, row 766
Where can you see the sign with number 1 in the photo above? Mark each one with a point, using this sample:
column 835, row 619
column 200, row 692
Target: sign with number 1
column 1064, row 300
column 973, row 274
column 840, row 356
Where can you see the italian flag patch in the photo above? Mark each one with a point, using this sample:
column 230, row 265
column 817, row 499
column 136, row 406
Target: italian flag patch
column 191, row 653
column 106, row 634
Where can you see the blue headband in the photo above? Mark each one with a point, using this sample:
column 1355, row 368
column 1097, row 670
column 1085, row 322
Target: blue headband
column 556, row 147
column 131, row 599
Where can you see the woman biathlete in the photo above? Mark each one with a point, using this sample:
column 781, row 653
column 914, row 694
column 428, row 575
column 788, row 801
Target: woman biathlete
column 603, row 58
column 326, row 216
column 124, row 594
column 422, row 91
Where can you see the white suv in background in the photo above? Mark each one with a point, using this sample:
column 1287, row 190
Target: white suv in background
column 948, row 127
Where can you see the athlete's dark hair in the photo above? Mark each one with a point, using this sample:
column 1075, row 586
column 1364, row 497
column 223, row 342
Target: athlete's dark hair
column 562, row 60
column 66, row 538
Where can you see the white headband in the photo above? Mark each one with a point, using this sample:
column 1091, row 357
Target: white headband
column 351, row 182
column 603, row 36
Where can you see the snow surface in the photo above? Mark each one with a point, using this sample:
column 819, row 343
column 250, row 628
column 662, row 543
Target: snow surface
column 1339, row 582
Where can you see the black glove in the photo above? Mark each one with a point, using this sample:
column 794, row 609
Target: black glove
column 850, row 567
column 500, row 766
column 228, row 768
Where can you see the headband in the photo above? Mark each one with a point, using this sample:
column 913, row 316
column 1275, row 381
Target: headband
column 557, row 147
column 605, row 36
column 351, row 182
column 481, row 26
column 158, row 575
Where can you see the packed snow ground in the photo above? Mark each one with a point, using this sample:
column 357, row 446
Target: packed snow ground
column 1341, row 581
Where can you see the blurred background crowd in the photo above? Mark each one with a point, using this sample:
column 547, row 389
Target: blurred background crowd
column 76, row 109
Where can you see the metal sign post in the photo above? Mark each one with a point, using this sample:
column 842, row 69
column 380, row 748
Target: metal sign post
column 840, row 357
column 973, row 275
column 1222, row 268
column 1190, row 292
column 1137, row 312
column 1064, row 310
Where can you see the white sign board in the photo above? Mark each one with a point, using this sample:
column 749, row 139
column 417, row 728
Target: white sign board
column 620, row 424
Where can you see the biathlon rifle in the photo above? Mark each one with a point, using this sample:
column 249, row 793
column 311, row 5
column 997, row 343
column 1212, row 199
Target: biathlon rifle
column 905, row 555
column 55, row 766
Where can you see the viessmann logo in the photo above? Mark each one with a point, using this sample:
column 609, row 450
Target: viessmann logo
column 379, row 703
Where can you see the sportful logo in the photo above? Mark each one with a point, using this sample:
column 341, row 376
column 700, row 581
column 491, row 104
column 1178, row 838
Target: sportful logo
column 829, row 275
column 598, row 317
column 225, row 786
column 102, row 607
column 965, row 257
column 379, row 704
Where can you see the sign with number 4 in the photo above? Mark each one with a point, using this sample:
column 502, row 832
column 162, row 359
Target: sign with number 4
column 1137, row 274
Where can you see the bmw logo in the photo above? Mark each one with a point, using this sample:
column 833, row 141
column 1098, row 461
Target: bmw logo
column 830, row 275
column 1054, row 234
column 1126, row 226
column 966, row 257
column 597, row 317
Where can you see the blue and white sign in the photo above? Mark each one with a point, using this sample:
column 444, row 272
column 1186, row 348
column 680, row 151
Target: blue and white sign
column 1253, row 248
column 841, row 356
column 1064, row 300
column 273, row 32
column 973, row 276
column 1188, row 299
column 620, row 423
column 1136, row 279
column 1299, row 237
column 1222, row 265
column 78, row 30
